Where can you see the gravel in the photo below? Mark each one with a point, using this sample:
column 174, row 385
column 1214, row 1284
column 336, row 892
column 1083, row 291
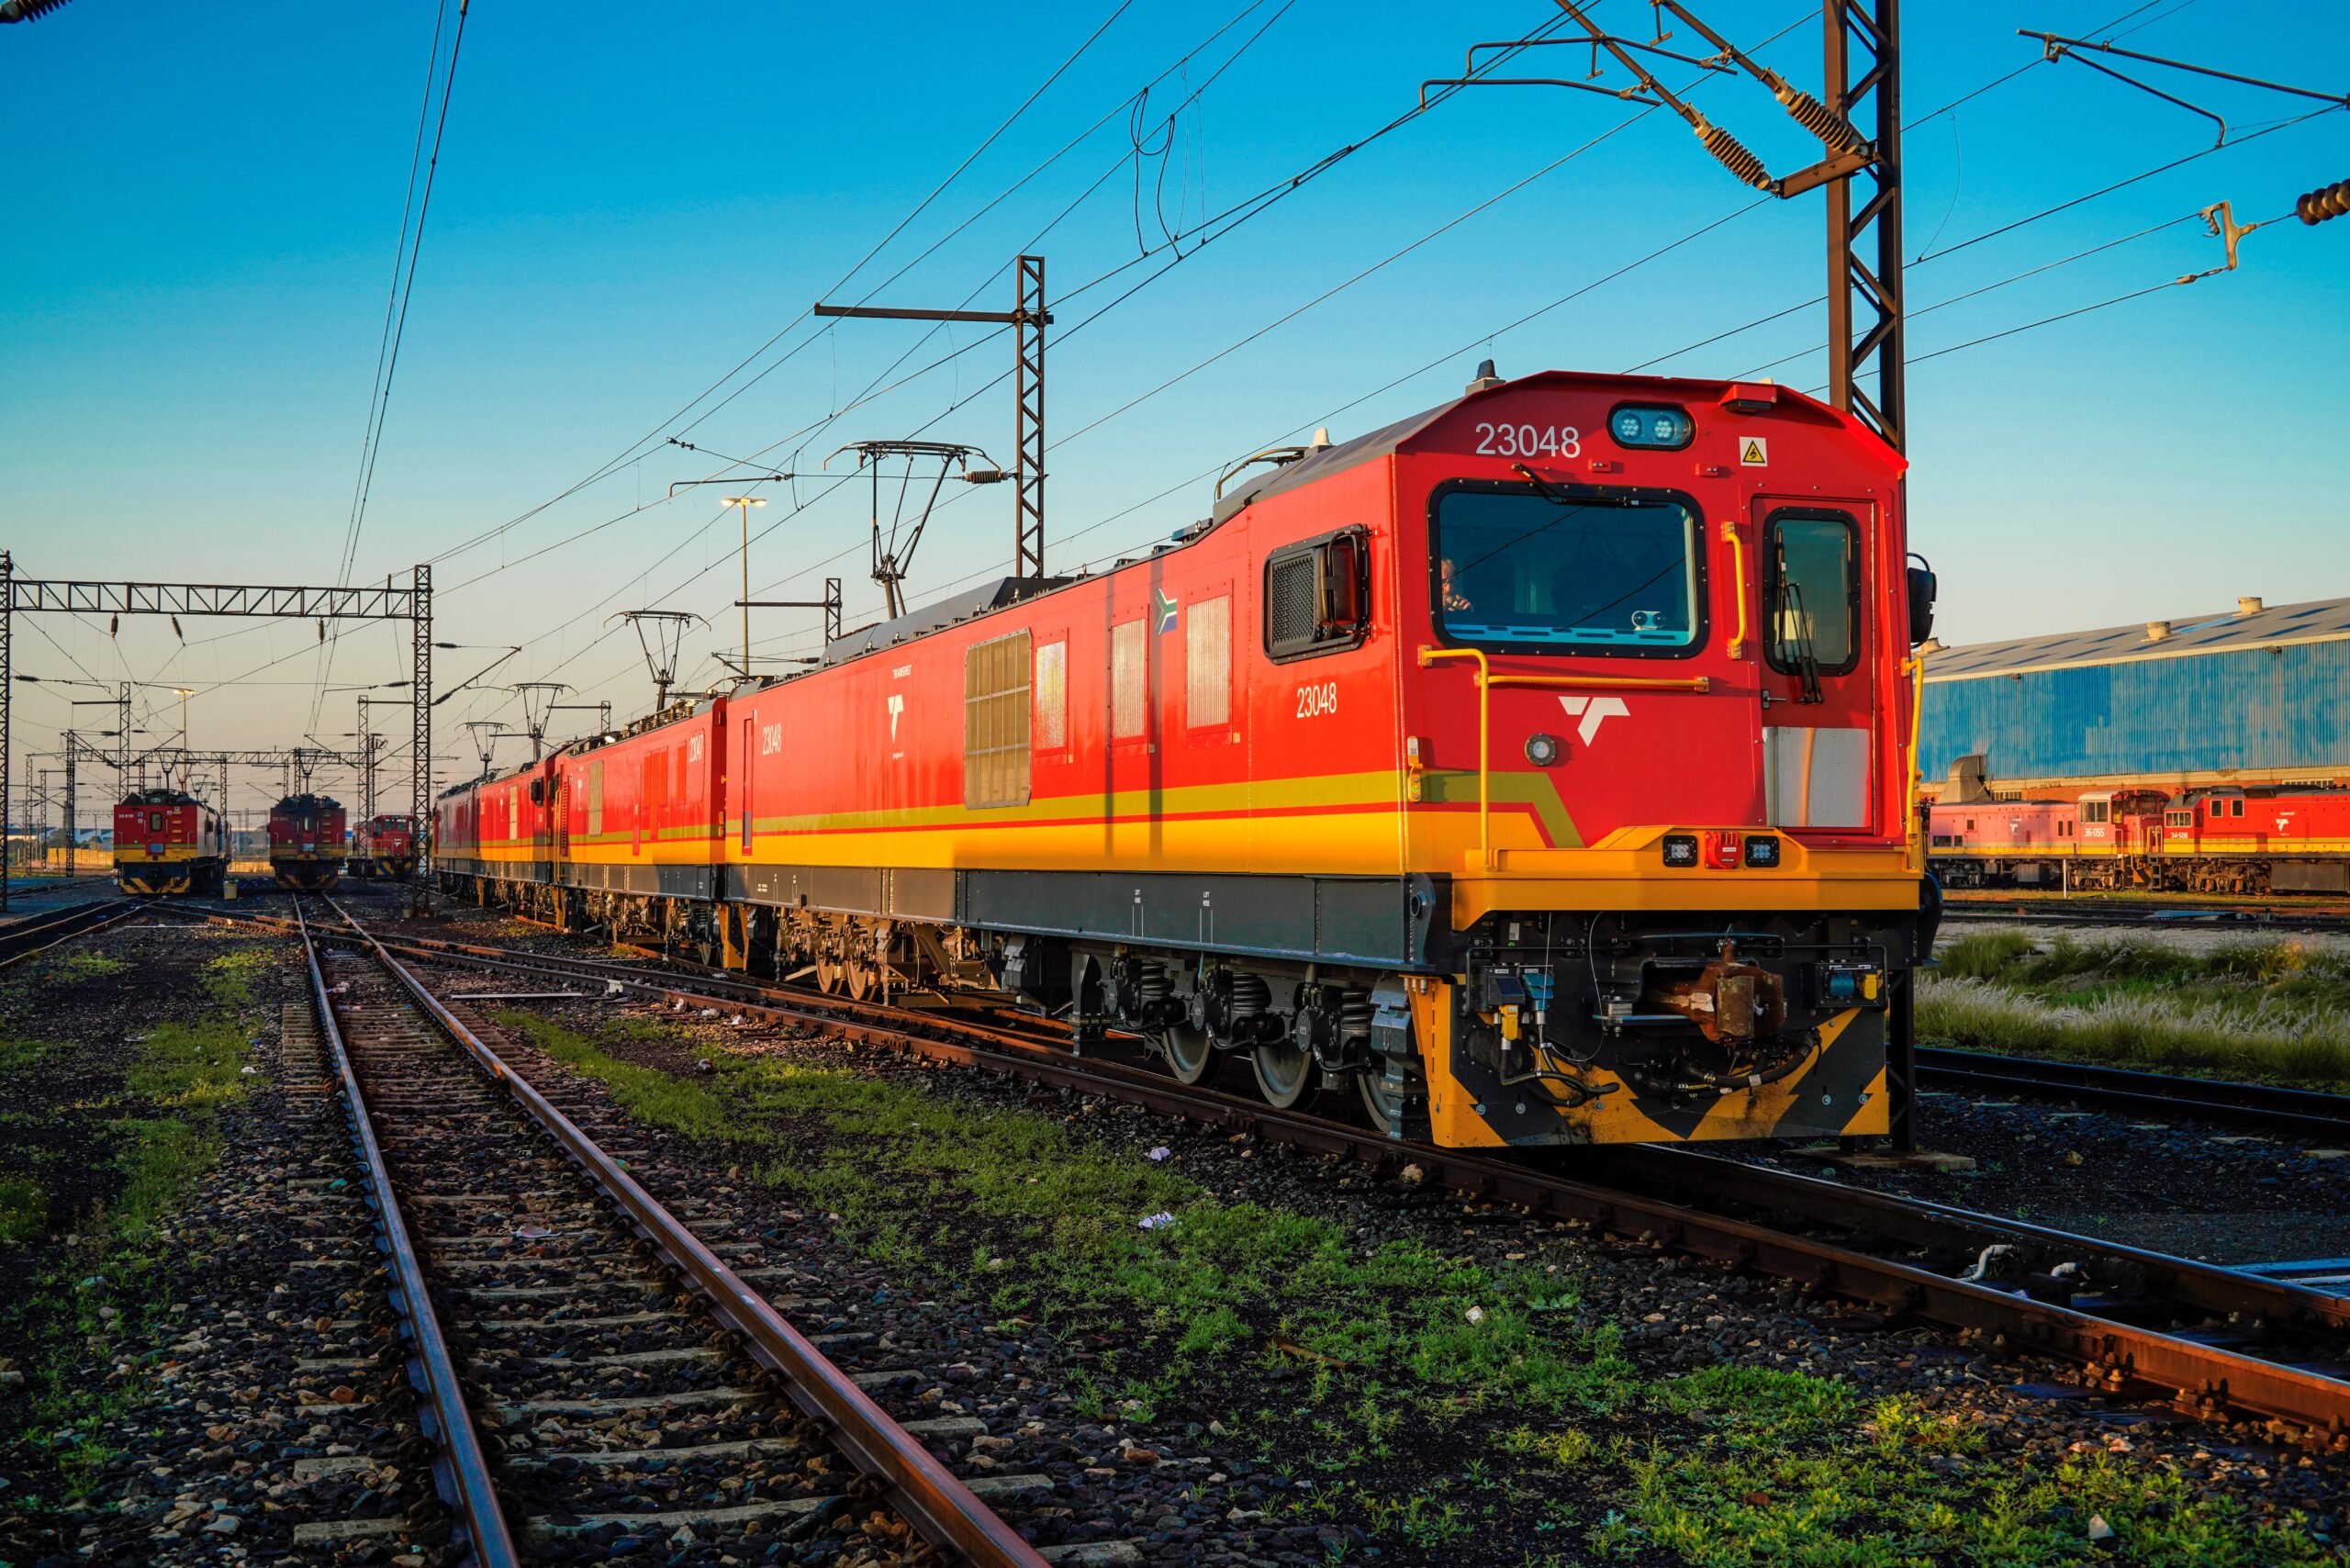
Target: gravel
column 266, row 1390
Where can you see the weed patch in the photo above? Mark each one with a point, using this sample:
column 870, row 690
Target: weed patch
column 80, row 965
column 1788, row 1468
column 24, row 1210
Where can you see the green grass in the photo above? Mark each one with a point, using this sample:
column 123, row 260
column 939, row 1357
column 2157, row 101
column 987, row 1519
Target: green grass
column 1784, row 1468
column 82, row 965
column 18, row 1056
column 24, row 1210
column 2275, row 1011
column 1754, row 1467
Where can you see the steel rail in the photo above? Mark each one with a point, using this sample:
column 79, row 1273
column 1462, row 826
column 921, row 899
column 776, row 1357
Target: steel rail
column 938, row 1504
column 2202, row 1287
column 2249, row 918
column 22, row 939
column 459, row 1469
column 2208, row 1381
column 2261, row 1105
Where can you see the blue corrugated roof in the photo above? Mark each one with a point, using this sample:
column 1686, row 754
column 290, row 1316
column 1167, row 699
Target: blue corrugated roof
column 2324, row 620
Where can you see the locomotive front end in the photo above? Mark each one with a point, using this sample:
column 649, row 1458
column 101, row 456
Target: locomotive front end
column 1659, row 707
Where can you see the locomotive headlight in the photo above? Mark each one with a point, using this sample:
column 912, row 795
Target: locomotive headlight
column 1542, row 750
column 1650, row 426
column 1681, row 850
column 1762, row 850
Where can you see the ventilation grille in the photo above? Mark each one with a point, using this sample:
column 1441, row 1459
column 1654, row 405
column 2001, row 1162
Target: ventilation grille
column 1292, row 588
column 995, row 722
column 1207, row 662
column 1129, row 680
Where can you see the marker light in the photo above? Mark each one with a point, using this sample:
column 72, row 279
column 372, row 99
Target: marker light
column 1664, row 429
column 1542, row 750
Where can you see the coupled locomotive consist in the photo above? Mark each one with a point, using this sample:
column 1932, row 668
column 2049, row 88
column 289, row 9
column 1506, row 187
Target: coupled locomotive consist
column 169, row 842
column 1536, row 768
column 306, row 842
column 383, row 847
column 2232, row 840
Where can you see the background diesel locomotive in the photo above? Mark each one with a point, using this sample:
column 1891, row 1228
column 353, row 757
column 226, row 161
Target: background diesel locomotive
column 2250, row 840
column 167, row 842
column 1537, row 767
column 306, row 842
column 383, row 847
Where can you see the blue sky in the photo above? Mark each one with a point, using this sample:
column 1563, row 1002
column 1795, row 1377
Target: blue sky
column 205, row 204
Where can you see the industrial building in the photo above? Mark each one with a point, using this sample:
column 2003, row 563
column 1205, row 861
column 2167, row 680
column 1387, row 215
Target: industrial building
column 2256, row 695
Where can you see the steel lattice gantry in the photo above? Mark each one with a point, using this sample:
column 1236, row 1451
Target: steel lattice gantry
column 1864, row 295
column 384, row 602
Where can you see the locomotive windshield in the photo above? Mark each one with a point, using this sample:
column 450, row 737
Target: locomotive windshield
column 1552, row 568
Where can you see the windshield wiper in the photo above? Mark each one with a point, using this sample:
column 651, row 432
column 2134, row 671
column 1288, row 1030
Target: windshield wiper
column 1795, row 631
column 1550, row 492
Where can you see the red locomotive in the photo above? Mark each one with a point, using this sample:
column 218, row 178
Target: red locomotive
column 2245, row 840
column 306, row 842
column 384, row 847
column 168, row 841
column 1536, row 768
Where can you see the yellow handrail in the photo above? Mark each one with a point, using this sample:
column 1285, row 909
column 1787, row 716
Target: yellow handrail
column 1484, row 749
column 1737, row 585
column 1487, row 680
column 1605, row 682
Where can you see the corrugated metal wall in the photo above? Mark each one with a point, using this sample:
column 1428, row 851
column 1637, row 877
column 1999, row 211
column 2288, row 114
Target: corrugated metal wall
column 2252, row 709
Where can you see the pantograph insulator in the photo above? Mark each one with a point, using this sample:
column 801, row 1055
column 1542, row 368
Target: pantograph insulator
column 1833, row 129
column 2326, row 201
column 1733, row 155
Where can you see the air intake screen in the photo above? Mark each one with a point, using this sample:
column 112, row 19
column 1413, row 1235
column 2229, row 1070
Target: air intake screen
column 995, row 722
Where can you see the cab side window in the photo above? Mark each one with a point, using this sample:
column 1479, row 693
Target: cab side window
column 1812, row 584
column 1317, row 596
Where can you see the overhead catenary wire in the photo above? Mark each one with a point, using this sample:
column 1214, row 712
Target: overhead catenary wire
column 388, row 362
column 627, row 453
column 1211, row 227
column 1231, row 218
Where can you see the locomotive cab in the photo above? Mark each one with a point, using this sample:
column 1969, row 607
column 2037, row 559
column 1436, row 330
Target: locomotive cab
column 1658, row 712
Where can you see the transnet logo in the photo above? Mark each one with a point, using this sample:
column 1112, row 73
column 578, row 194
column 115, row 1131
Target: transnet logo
column 1593, row 712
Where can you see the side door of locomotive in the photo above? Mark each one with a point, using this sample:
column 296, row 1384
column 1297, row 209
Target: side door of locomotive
column 1816, row 634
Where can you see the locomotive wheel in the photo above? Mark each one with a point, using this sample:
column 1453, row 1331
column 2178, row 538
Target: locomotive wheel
column 1286, row 1075
column 828, row 975
column 860, row 979
column 1382, row 1101
column 1190, row 1056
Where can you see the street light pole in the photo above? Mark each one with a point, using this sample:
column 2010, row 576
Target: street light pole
column 744, row 504
column 188, row 764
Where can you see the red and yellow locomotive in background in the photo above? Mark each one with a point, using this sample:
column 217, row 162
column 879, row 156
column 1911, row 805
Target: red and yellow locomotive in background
column 167, row 841
column 1537, row 767
column 2229, row 840
column 306, row 842
column 383, row 847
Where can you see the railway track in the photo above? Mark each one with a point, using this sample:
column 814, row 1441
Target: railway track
column 2212, row 1343
column 595, row 1367
column 2253, row 919
column 2264, row 1106
column 38, row 933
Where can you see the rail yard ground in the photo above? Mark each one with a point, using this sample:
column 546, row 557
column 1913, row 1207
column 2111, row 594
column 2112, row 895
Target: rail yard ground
column 1219, row 1351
